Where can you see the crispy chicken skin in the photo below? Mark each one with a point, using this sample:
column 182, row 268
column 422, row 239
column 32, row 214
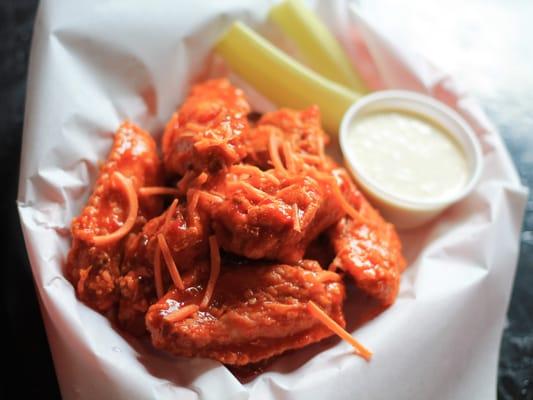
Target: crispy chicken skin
column 256, row 312
column 369, row 252
column 265, row 215
column 92, row 269
column 302, row 129
column 186, row 237
column 207, row 132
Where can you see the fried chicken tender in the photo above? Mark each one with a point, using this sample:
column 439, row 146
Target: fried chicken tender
column 94, row 269
column 371, row 251
column 206, row 134
column 186, row 237
column 256, row 312
column 262, row 214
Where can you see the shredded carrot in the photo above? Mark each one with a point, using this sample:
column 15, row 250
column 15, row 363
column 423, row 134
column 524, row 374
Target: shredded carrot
column 171, row 265
column 205, row 144
column 215, row 271
column 244, row 168
column 319, row 314
column 308, row 162
column 297, row 226
column 273, row 150
column 308, row 214
column 193, row 216
column 181, row 313
column 168, row 215
column 252, row 190
column 156, row 190
column 271, row 178
column 258, row 192
column 211, row 197
column 195, row 196
column 202, row 178
column 352, row 212
column 157, row 257
column 299, row 163
column 133, row 203
column 157, row 272
column 256, row 172
column 347, row 207
column 288, row 155
column 310, row 158
column 185, row 181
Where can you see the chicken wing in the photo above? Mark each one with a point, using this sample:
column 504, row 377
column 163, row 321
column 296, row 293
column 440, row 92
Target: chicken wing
column 207, row 132
column 262, row 214
column 186, row 237
column 301, row 130
column 256, row 312
column 368, row 249
column 93, row 268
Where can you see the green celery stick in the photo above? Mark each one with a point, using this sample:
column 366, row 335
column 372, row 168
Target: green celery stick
column 280, row 78
column 319, row 48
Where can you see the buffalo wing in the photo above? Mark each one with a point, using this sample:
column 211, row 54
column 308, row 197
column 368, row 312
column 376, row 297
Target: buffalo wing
column 94, row 268
column 256, row 312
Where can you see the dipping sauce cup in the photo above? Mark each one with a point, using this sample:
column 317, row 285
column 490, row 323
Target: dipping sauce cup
column 420, row 156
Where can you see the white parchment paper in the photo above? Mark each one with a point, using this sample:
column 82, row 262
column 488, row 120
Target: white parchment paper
column 96, row 63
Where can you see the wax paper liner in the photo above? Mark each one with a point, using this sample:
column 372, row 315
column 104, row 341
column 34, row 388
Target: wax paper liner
column 96, row 63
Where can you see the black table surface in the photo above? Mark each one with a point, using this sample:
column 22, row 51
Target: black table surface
column 487, row 45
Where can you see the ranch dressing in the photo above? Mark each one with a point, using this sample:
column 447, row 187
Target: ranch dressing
column 407, row 155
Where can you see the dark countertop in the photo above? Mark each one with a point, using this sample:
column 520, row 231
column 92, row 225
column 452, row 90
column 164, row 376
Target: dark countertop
column 486, row 45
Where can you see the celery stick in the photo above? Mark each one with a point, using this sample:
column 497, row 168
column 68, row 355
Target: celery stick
column 319, row 48
column 280, row 78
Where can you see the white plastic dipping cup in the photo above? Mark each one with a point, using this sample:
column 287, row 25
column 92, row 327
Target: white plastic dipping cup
column 411, row 213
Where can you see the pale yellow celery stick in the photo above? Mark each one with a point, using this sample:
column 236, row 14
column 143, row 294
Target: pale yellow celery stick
column 280, row 78
column 318, row 47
